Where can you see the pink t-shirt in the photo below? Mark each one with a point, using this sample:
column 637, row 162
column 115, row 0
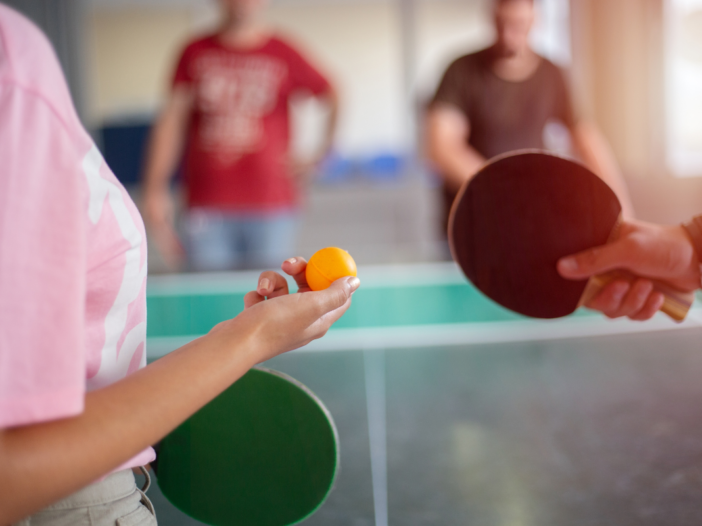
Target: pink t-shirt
column 72, row 246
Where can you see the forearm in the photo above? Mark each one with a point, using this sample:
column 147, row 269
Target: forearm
column 42, row 463
column 457, row 164
column 447, row 146
column 596, row 154
column 165, row 146
column 332, row 99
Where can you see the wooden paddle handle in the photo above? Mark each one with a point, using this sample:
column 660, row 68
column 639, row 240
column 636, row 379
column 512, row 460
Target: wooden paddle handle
column 676, row 305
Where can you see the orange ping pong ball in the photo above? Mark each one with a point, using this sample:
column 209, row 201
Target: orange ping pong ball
column 328, row 265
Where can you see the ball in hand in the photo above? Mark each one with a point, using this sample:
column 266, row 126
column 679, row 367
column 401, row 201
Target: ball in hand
column 328, row 265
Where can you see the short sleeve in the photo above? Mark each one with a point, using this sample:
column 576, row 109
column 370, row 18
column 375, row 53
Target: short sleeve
column 564, row 104
column 452, row 87
column 42, row 263
column 304, row 76
column 183, row 74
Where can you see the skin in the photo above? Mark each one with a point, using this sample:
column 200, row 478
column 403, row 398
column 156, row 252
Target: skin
column 116, row 423
column 448, row 129
column 240, row 29
column 663, row 253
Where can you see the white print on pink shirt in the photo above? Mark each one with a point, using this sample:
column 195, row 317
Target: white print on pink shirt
column 234, row 94
column 115, row 362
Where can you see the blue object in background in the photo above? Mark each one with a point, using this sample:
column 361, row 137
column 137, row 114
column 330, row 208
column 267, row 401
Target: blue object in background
column 386, row 167
column 123, row 147
column 336, row 169
column 382, row 168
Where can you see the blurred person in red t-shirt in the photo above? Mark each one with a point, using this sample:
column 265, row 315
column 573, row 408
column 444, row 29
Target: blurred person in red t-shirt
column 228, row 114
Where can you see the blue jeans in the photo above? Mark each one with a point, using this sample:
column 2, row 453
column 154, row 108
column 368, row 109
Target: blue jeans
column 216, row 240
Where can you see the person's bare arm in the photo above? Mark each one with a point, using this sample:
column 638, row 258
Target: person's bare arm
column 597, row 154
column 164, row 151
column 42, row 463
column 447, row 133
column 303, row 169
column 331, row 99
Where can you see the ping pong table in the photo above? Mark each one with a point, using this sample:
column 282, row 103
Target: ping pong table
column 452, row 410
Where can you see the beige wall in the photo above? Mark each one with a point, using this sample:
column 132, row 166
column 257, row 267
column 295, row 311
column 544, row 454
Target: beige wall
column 357, row 43
column 618, row 77
column 131, row 56
column 445, row 31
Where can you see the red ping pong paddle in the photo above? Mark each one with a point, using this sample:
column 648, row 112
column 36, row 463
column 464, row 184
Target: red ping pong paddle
column 519, row 215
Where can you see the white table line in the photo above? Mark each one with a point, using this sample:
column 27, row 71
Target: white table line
column 374, row 368
column 453, row 334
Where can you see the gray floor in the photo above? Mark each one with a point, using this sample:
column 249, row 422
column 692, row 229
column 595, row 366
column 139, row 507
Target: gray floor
column 604, row 430
column 397, row 222
column 392, row 223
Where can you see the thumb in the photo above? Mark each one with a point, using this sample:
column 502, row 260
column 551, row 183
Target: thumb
column 337, row 295
column 594, row 261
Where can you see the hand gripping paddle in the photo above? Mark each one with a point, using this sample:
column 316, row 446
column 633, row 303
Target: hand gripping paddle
column 519, row 215
column 263, row 453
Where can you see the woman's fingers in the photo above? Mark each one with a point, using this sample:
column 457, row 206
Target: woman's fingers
column 332, row 317
column 332, row 302
column 294, row 320
column 271, row 285
column 323, row 308
column 252, row 298
column 319, row 327
column 296, row 267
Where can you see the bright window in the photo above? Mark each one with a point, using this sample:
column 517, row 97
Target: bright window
column 551, row 35
column 684, row 87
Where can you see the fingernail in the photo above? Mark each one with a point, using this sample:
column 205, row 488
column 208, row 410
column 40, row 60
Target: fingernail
column 291, row 260
column 264, row 284
column 354, row 283
column 568, row 264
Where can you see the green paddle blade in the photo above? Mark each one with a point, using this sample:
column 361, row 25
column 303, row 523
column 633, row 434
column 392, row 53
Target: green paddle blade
column 264, row 453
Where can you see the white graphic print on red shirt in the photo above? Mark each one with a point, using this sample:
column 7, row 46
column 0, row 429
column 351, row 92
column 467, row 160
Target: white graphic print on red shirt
column 233, row 95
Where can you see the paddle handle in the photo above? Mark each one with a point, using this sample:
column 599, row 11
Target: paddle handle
column 676, row 305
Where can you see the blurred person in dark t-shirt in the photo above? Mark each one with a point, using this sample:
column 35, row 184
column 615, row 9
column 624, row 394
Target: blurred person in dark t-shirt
column 228, row 115
column 501, row 99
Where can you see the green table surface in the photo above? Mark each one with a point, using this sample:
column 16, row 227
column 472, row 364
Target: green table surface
column 389, row 296
column 400, row 298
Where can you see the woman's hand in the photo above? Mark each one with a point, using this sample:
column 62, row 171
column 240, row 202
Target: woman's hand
column 272, row 285
column 159, row 216
column 115, row 426
column 663, row 253
column 275, row 321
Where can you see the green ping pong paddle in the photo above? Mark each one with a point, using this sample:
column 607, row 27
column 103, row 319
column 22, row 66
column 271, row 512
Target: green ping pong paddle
column 265, row 453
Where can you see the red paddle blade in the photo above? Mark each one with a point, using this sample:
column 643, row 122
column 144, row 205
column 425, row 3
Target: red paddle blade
column 517, row 217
